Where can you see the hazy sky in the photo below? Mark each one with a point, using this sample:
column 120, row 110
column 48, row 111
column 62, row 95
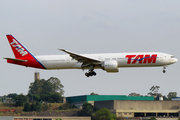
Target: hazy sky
column 91, row 26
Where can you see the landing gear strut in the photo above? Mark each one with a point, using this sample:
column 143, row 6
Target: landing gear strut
column 164, row 69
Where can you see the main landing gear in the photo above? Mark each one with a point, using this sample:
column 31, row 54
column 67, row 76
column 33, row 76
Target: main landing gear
column 90, row 73
column 164, row 69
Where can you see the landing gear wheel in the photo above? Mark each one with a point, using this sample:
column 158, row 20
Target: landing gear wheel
column 164, row 69
column 87, row 74
column 91, row 73
column 95, row 74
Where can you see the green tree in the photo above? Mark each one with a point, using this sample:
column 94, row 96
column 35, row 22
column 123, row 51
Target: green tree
column 33, row 107
column 171, row 95
column 88, row 108
column 33, row 97
column 46, row 90
column 45, row 97
column 56, row 84
column 12, row 95
column 55, row 97
column 26, row 107
column 94, row 93
column 20, row 100
column 36, row 87
column 38, row 106
column 44, row 106
column 154, row 90
column 134, row 94
column 104, row 114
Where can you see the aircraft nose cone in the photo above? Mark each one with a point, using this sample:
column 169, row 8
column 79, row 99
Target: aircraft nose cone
column 174, row 60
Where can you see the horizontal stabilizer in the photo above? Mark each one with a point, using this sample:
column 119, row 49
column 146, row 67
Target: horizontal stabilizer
column 19, row 60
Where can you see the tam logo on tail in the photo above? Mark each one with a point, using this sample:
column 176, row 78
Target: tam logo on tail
column 22, row 55
column 18, row 47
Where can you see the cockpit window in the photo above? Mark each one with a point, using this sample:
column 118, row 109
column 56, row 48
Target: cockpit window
column 172, row 56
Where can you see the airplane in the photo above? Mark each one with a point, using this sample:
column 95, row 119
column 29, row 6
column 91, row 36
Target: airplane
column 109, row 62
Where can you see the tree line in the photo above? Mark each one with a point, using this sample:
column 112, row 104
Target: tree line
column 40, row 93
column 44, row 91
column 154, row 92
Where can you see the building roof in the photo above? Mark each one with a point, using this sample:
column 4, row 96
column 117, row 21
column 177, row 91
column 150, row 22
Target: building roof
column 86, row 98
column 176, row 98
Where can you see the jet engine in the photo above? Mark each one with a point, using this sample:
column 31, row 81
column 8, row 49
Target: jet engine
column 110, row 66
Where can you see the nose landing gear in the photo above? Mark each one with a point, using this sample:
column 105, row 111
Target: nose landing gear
column 164, row 69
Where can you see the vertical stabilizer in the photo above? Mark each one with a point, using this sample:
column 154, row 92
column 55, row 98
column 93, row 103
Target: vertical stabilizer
column 22, row 55
column 18, row 49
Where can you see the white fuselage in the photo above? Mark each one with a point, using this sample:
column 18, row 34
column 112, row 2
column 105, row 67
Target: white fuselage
column 109, row 62
column 136, row 60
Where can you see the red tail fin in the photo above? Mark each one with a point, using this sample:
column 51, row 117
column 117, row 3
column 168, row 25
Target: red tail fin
column 23, row 56
column 18, row 49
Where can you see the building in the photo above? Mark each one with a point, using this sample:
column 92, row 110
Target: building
column 7, row 100
column 129, row 106
column 135, row 108
column 176, row 98
column 36, row 76
column 78, row 101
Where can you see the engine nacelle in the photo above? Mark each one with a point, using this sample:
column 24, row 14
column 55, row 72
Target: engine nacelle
column 110, row 66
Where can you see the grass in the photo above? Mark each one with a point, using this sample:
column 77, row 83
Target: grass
column 19, row 110
column 55, row 106
column 68, row 110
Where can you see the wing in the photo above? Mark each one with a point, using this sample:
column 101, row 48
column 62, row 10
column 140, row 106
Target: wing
column 82, row 59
